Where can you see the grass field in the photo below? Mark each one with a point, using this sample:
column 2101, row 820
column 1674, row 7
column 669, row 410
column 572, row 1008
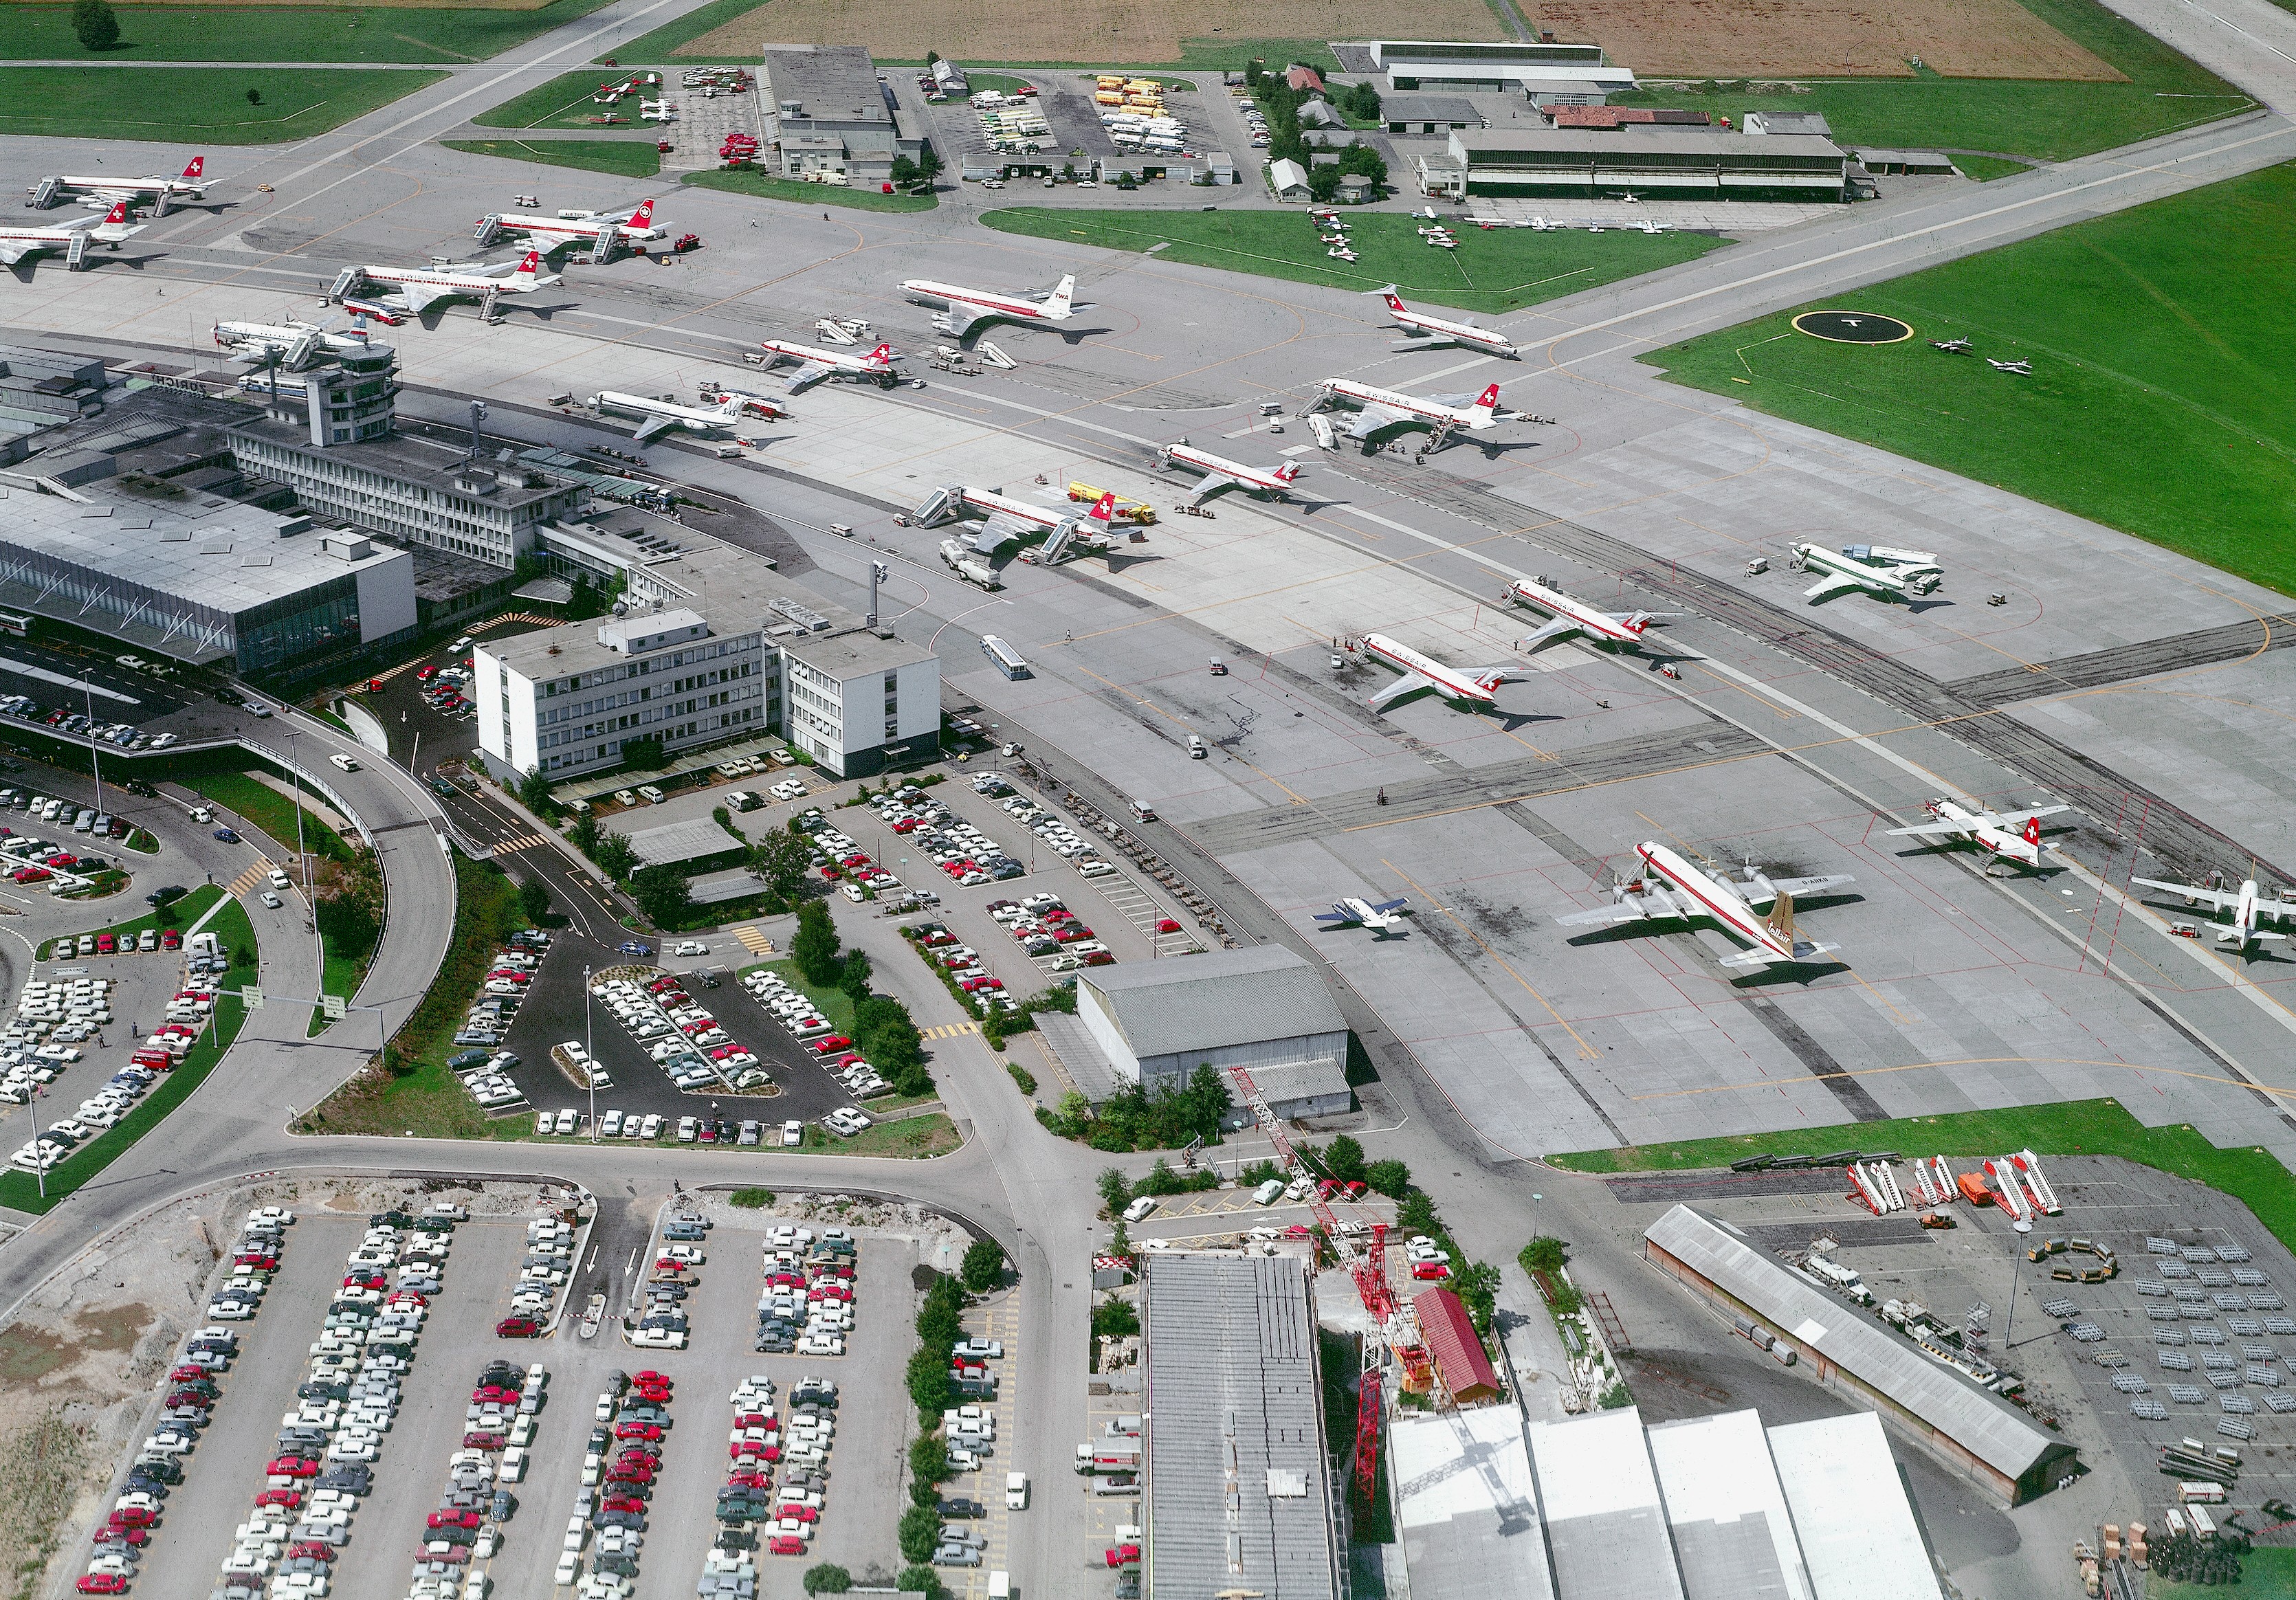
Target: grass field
column 624, row 158
column 1986, row 168
column 2246, row 1172
column 193, row 105
column 183, row 913
column 1494, row 271
column 2161, row 401
column 759, row 186
column 564, row 101
column 2265, row 1574
column 2044, row 121
column 265, row 808
column 344, row 34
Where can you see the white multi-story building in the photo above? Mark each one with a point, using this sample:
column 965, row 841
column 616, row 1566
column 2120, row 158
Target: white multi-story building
column 853, row 701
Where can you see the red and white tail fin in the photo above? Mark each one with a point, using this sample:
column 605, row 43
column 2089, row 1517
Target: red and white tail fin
column 532, row 267
column 1490, row 398
column 881, row 354
column 198, row 166
column 1287, row 471
column 1103, row 510
column 118, row 214
column 2033, row 829
column 1394, row 301
column 1637, row 623
column 642, row 217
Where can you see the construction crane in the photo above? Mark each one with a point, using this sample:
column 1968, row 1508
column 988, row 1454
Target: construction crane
column 1393, row 1325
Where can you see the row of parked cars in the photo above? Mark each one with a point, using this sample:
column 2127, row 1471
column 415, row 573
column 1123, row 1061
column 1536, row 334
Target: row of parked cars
column 673, row 1026
column 752, row 1508
column 790, row 1006
column 963, row 964
column 73, row 725
column 663, row 1322
column 617, row 1476
column 491, row 1014
column 542, row 1277
column 35, row 1046
column 805, row 1308
column 1058, row 836
column 466, row 1530
column 1043, row 925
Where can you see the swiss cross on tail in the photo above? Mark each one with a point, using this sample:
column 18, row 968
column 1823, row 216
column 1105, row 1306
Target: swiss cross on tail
column 1287, row 471
column 532, row 265
column 198, row 166
column 1103, row 510
column 1490, row 398
column 2032, row 830
column 1394, row 301
column 880, row 355
column 119, row 214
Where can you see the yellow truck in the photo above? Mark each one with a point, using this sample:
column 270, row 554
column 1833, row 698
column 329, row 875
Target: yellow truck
column 1136, row 511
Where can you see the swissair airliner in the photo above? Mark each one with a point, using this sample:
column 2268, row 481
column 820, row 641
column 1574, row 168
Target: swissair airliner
column 16, row 243
column 1576, row 617
column 1219, row 473
column 2011, row 835
column 815, row 364
column 104, row 190
column 423, row 286
column 967, row 307
column 1377, row 409
column 1434, row 332
column 553, row 234
column 1477, row 686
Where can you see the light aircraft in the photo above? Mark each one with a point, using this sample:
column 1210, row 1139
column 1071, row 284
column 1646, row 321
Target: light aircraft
column 1952, row 347
column 1576, row 617
column 1476, row 687
column 964, row 308
column 1378, row 408
column 2014, row 835
column 658, row 417
column 104, row 190
column 2024, row 366
column 111, row 228
column 1433, row 332
column 815, row 364
column 296, row 344
column 1007, row 518
column 1671, row 890
column 1378, row 916
column 553, row 236
column 421, row 287
column 2249, row 908
column 1219, row 473
column 1901, row 572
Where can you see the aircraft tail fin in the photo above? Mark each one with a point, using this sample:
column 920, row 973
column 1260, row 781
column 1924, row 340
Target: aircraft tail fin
column 1287, row 471
column 2033, row 829
column 117, row 216
column 883, row 352
column 197, row 166
column 1103, row 510
column 644, row 216
column 1059, row 301
column 532, row 268
column 1487, row 401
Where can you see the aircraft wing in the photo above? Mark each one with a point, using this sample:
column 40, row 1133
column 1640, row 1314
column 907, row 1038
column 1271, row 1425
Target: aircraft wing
column 1394, row 905
column 2015, row 821
column 807, row 375
column 1371, row 419
column 1455, row 402
column 1552, row 630
column 1825, row 588
column 10, row 254
column 1937, row 830
column 1802, row 889
column 960, row 320
column 1335, row 917
column 1402, row 685
column 1211, row 484
column 655, row 427
column 999, row 528
column 2217, row 899
column 1629, row 910
column 420, row 296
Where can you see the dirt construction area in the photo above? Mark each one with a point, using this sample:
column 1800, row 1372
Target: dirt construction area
column 1821, row 38
column 1132, row 31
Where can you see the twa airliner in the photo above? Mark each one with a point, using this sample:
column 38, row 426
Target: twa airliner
column 1671, row 890
column 965, row 308
column 1434, row 332
column 1219, row 473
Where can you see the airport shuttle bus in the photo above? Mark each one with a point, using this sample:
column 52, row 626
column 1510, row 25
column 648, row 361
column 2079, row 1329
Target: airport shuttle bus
column 1003, row 657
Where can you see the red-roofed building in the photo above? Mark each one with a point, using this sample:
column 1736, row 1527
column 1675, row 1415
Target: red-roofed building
column 1458, row 1352
column 1305, row 78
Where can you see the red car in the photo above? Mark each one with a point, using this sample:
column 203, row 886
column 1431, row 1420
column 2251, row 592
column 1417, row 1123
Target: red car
column 312, row 1549
column 122, row 1538
column 494, row 1394
column 518, row 1327
column 191, row 1397
column 1099, row 959
column 367, row 1280
column 798, row 1513
column 645, row 1431
column 614, row 1503
column 454, row 1519
column 132, row 1516
column 834, row 1042
column 191, row 1372
column 289, row 1497
column 1124, row 1556
column 1067, row 933
column 171, row 939
column 781, row 1544
column 115, row 1583
column 1166, row 926
column 748, row 1479
column 629, row 1475
column 1429, row 1270
column 292, row 1466
column 843, row 1292
column 651, row 1392
column 650, row 1378
column 480, row 1440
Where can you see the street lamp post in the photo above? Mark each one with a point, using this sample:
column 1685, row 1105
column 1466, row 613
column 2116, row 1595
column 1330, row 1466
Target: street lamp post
column 310, row 900
column 590, row 1071
column 94, row 762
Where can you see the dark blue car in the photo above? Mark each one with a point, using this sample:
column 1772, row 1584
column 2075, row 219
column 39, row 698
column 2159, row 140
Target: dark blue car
column 630, row 947
column 227, row 836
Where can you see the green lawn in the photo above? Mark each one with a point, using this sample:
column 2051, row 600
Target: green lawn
column 1986, row 168
column 20, row 1191
column 2246, row 1172
column 194, row 105
column 346, row 35
column 2048, row 121
column 1494, row 270
column 2161, row 403
column 265, row 808
column 339, row 975
column 624, row 158
column 662, row 43
column 759, row 186
column 183, row 913
column 564, row 101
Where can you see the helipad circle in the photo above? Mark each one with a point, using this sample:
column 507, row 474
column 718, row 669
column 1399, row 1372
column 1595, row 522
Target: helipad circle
column 1853, row 327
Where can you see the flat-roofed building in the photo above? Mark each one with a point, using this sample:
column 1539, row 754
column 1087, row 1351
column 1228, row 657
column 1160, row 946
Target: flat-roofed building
column 1732, row 1534
column 1236, row 1494
column 836, row 121
column 1467, row 1514
column 1859, row 1541
column 1649, row 162
column 1550, row 74
column 1430, row 113
column 1605, row 1522
column 1264, row 1009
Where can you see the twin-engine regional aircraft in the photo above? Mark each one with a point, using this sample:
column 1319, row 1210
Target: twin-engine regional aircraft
column 2249, row 908
column 2012, row 835
column 1378, row 916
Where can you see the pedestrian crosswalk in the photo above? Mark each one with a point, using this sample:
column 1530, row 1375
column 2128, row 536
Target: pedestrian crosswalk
column 949, row 1030
column 246, row 882
column 754, row 939
column 523, row 841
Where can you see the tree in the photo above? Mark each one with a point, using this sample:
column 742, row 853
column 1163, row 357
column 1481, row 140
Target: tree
column 827, row 1578
column 1364, row 161
column 534, row 791
column 1115, row 1317
column 1254, row 70
column 1205, row 1101
column 585, row 833
column 663, row 894
column 932, row 58
column 928, row 1383
column 854, row 978
column 1477, row 1285
column 1115, row 1189
column 1415, row 1213
column 1343, row 1160
column 348, row 925
column 929, row 162
column 1542, row 1254
column 255, row 97
column 614, row 856
column 929, row 1459
column 983, row 1267
column 1390, row 1178
column 1323, row 181
column 815, row 944
column 783, row 860
column 920, row 1531
column 534, row 899
column 96, row 24
column 1363, row 101
column 641, row 755
column 905, row 172
column 921, row 1581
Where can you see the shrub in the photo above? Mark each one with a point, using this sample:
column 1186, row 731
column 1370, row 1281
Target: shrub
column 1542, row 1254
column 1114, row 1318
column 1477, row 1285
column 983, row 1267
column 534, row 899
column 96, row 24
column 827, row 1578
column 1390, row 1178
column 1025, row 1080
column 928, row 1382
column 929, row 1459
column 751, row 1199
column 1115, row 1188
column 920, row 1533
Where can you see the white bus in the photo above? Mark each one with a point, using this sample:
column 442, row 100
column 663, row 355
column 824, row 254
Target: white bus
column 1005, row 659
column 15, row 625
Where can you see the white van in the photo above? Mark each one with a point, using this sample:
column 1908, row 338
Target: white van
column 1141, row 811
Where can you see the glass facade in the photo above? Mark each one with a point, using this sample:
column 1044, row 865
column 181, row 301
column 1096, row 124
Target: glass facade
column 320, row 621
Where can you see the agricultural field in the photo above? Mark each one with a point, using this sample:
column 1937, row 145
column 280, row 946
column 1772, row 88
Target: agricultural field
column 1832, row 39
column 623, row 158
column 195, row 105
column 2161, row 402
column 2030, row 119
column 1491, row 272
column 422, row 31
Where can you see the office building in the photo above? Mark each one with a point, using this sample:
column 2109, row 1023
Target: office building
column 835, row 121
column 1648, row 162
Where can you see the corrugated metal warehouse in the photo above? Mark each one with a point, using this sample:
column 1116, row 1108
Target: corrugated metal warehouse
column 1606, row 1529
column 1732, row 1531
column 1970, row 1429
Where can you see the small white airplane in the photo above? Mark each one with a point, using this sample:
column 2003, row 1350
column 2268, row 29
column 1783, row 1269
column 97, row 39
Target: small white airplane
column 421, row 287
column 965, row 308
column 1476, row 687
column 1672, row 889
column 1901, row 572
column 1576, row 617
column 2249, row 908
column 1434, row 332
column 1378, row 916
column 1378, row 408
column 554, row 234
column 1219, row 473
column 296, row 344
column 2014, row 835
column 815, row 364
column 111, row 228
column 134, row 191
column 2022, row 367
column 1952, row 347
column 658, row 417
